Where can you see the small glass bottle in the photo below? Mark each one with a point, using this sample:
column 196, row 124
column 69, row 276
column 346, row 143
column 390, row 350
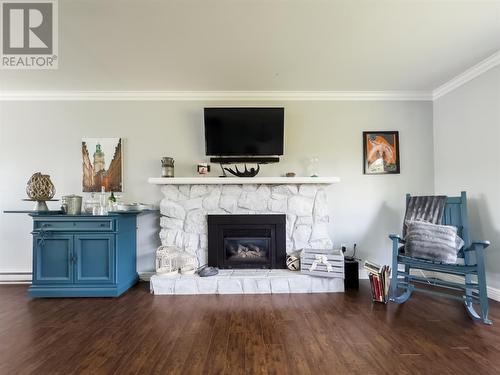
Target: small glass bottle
column 102, row 202
column 112, row 202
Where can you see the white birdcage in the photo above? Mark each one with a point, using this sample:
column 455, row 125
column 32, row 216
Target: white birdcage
column 167, row 261
column 188, row 263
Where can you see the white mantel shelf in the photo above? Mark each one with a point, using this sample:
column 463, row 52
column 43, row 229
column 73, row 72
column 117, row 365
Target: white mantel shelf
column 242, row 180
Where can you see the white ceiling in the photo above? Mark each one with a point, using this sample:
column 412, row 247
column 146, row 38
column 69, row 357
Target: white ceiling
column 262, row 45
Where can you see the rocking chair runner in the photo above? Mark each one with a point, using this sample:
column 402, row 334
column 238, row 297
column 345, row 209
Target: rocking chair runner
column 474, row 293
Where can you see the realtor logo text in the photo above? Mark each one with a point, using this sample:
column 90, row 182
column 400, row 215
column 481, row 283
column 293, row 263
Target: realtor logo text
column 28, row 34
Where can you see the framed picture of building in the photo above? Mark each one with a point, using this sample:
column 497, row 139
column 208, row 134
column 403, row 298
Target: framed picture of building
column 102, row 164
column 381, row 152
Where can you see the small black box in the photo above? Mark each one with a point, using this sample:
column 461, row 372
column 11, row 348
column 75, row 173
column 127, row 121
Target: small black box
column 351, row 274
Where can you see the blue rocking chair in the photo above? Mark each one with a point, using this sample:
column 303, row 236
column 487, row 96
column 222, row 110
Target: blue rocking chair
column 474, row 293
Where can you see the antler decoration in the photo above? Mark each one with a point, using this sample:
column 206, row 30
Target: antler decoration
column 246, row 173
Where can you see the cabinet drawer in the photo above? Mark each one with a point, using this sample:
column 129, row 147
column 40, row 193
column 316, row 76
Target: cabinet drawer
column 75, row 225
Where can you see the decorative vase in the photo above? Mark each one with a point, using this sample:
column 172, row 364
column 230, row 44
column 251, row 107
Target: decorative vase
column 167, row 167
column 313, row 167
column 40, row 188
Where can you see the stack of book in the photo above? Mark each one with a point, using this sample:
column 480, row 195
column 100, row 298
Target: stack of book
column 379, row 281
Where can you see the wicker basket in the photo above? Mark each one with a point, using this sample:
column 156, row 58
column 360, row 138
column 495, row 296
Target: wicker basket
column 322, row 262
column 40, row 188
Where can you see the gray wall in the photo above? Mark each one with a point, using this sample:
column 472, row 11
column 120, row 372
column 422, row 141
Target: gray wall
column 46, row 136
column 466, row 144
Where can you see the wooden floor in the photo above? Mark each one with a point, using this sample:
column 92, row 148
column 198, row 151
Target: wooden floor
column 139, row 333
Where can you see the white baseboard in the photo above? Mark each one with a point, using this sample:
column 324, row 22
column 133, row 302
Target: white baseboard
column 493, row 293
column 25, row 277
column 15, row 277
column 145, row 276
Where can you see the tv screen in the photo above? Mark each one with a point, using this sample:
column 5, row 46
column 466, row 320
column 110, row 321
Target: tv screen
column 244, row 131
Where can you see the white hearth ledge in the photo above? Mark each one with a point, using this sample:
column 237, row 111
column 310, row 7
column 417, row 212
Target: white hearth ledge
column 242, row 180
column 252, row 281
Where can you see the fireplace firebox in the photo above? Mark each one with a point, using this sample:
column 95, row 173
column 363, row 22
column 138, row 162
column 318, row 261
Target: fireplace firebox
column 247, row 241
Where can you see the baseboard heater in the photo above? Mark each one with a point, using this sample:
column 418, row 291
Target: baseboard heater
column 15, row 277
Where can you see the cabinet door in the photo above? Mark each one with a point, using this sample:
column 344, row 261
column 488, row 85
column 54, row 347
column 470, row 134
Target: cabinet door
column 52, row 261
column 94, row 258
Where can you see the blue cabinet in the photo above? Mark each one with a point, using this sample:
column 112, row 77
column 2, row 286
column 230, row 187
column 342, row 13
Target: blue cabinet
column 83, row 256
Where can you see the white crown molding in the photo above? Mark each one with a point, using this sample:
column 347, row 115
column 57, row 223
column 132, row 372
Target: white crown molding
column 471, row 73
column 215, row 95
column 411, row 95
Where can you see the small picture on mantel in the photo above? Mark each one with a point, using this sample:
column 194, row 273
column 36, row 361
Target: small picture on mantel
column 381, row 152
column 102, row 164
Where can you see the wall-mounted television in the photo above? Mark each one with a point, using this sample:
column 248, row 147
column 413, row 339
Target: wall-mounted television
column 244, row 131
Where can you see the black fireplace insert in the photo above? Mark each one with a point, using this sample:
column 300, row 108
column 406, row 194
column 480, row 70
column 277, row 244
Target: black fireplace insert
column 247, row 241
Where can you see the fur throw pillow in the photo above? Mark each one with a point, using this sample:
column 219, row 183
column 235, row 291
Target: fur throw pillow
column 439, row 243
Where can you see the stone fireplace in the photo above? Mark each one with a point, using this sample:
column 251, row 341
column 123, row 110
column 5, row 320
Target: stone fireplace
column 257, row 222
column 185, row 209
column 247, row 241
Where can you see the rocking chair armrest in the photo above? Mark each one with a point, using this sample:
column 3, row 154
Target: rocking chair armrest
column 396, row 237
column 475, row 245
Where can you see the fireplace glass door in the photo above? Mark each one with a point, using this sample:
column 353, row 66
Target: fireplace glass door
column 246, row 241
column 247, row 249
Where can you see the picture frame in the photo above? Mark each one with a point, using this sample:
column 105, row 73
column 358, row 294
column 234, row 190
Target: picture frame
column 102, row 164
column 381, row 152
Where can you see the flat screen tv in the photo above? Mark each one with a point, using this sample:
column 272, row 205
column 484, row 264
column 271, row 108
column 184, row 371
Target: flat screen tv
column 244, row 131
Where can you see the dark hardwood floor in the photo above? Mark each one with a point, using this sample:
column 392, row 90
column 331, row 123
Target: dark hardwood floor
column 139, row 333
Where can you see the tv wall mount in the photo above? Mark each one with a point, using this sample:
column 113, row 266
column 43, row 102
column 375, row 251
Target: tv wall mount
column 252, row 172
